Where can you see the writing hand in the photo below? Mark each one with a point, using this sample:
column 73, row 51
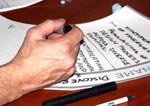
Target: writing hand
column 42, row 62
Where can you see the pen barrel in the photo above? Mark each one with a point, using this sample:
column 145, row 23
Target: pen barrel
column 59, row 101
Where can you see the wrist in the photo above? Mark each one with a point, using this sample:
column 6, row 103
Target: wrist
column 11, row 84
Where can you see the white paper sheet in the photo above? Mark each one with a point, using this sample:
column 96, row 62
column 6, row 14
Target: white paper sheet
column 11, row 37
column 115, row 48
column 7, row 5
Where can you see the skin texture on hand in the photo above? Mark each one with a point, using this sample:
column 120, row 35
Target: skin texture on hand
column 41, row 62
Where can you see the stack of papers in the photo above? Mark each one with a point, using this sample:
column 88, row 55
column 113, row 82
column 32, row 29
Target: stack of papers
column 7, row 5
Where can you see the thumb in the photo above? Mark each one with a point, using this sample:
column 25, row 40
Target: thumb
column 47, row 27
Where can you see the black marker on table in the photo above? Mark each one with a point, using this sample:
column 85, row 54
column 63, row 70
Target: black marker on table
column 70, row 98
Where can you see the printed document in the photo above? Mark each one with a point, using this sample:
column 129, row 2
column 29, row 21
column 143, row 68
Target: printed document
column 115, row 48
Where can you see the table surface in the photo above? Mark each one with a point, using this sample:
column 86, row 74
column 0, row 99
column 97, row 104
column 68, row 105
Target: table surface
column 79, row 11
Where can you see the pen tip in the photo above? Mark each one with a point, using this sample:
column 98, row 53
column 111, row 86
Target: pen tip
column 133, row 96
column 130, row 97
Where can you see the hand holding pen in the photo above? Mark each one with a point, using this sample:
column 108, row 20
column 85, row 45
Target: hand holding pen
column 53, row 59
column 44, row 59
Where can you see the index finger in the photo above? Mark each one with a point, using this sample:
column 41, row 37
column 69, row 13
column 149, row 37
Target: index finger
column 74, row 36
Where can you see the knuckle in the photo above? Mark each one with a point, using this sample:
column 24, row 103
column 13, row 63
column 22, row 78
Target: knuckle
column 65, row 47
column 31, row 31
column 71, row 71
column 70, row 62
column 49, row 21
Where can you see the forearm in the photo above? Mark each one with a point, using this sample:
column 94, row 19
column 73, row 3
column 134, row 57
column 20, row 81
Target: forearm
column 9, row 86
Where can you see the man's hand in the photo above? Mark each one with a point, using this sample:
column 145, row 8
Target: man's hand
column 42, row 62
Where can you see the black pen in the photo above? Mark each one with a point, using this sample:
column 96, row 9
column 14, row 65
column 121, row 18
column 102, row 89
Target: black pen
column 65, row 29
column 62, row 100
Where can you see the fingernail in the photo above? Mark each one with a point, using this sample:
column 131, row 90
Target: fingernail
column 61, row 19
